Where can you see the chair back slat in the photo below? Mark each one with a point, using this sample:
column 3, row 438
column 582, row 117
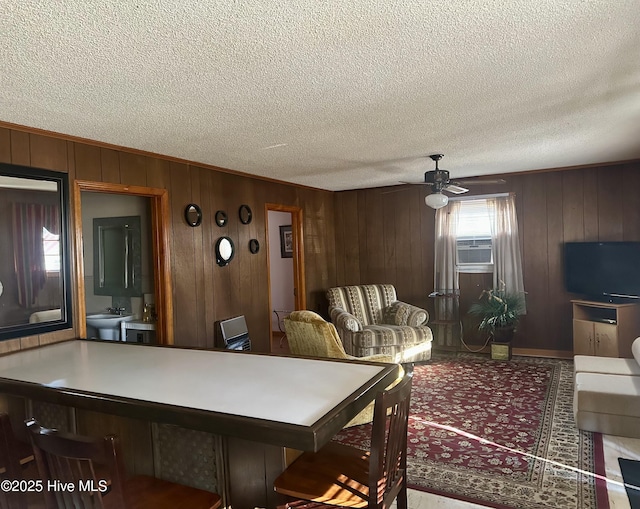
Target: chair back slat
column 72, row 470
column 341, row 475
column 388, row 460
column 67, row 458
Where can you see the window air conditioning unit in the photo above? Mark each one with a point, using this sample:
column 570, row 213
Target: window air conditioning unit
column 474, row 250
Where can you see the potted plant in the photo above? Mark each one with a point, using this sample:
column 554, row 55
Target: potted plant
column 499, row 313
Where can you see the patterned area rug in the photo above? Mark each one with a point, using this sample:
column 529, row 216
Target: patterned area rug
column 501, row 434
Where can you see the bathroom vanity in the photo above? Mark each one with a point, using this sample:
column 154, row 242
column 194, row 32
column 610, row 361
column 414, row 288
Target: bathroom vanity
column 144, row 332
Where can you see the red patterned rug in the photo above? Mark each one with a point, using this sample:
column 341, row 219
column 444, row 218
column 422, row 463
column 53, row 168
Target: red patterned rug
column 501, row 434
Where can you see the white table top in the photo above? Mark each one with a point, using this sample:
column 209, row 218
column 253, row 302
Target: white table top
column 285, row 390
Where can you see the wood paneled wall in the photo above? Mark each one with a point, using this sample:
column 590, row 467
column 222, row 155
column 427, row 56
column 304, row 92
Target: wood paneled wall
column 351, row 237
column 202, row 292
column 387, row 237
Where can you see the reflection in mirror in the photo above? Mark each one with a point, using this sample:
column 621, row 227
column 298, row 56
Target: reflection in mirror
column 34, row 252
column 224, row 251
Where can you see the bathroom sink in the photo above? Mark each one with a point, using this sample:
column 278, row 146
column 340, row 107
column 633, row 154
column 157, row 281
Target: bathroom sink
column 108, row 324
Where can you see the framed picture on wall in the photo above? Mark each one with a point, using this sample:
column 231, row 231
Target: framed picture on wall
column 286, row 242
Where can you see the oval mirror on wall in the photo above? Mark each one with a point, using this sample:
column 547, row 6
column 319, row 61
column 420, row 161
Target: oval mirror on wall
column 224, row 251
column 221, row 218
column 245, row 214
column 193, row 214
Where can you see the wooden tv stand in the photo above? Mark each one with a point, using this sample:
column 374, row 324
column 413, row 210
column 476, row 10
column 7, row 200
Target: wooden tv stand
column 604, row 329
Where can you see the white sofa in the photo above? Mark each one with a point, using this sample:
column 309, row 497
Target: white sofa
column 607, row 394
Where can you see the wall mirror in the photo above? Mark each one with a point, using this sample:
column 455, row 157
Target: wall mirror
column 221, row 218
column 34, row 252
column 254, row 246
column 245, row 214
column 117, row 256
column 224, row 251
column 193, row 214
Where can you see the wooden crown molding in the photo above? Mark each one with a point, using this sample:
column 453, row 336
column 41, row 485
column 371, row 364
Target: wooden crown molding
column 87, row 141
column 120, row 148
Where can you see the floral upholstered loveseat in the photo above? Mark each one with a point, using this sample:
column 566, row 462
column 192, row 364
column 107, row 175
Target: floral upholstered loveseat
column 371, row 320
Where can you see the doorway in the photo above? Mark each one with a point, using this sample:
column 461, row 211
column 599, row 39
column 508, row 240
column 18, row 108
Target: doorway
column 156, row 201
column 285, row 259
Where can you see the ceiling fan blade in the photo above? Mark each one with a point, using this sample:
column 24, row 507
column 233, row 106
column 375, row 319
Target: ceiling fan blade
column 393, row 190
column 417, row 183
column 455, row 189
column 479, row 181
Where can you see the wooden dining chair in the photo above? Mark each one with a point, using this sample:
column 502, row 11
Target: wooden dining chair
column 15, row 455
column 345, row 476
column 96, row 465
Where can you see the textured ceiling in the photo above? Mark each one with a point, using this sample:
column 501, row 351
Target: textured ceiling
column 332, row 94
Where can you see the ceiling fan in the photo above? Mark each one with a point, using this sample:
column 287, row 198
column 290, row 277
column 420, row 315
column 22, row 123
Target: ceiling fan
column 439, row 181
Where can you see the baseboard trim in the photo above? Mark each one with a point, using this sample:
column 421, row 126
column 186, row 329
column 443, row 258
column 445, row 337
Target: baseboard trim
column 533, row 352
column 524, row 352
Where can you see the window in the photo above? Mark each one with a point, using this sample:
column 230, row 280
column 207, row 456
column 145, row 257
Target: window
column 473, row 237
column 51, row 247
column 487, row 226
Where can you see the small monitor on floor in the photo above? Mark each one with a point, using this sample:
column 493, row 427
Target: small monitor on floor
column 233, row 334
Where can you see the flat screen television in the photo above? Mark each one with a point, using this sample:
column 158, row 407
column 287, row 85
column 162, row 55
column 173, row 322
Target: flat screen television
column 606, row 271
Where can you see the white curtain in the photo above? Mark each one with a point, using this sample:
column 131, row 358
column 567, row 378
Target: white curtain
column 507, row 262
column 445, row 273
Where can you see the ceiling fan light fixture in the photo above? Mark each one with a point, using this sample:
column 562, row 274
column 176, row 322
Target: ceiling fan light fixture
column 436, row 200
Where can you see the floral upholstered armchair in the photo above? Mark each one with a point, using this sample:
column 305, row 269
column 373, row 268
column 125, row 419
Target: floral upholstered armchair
column 371, row 320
